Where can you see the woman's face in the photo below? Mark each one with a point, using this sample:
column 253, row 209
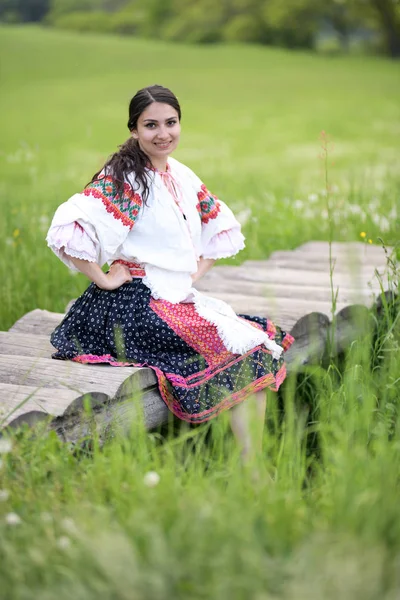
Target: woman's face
column 158, row 130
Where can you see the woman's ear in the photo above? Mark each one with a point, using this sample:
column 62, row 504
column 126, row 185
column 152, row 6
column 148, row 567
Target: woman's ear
column 134, row 134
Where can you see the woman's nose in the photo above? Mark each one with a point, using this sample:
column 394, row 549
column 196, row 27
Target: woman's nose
column 162, row 133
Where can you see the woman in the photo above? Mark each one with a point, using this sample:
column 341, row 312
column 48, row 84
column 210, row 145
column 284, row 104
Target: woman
column 154, row 221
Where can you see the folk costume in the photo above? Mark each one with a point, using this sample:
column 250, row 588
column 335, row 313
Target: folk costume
column 206, row 357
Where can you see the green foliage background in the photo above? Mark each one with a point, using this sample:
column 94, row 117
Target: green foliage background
column 251, row 124
column 332, row 25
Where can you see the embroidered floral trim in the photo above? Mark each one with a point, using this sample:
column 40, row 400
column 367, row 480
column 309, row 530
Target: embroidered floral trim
column 268, row 380
column 135, row 269
column 191, row 327
column 208, row 206
column 125, row 209
column 166, row 382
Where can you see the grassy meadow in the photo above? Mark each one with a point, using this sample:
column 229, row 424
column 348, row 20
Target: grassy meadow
column 156, row 516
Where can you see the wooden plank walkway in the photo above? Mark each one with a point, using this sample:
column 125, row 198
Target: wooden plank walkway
column 291, row 287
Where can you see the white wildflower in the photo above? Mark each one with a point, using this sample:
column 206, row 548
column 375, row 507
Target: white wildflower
column 313, row 198
column 355, row 209
column 298, row 204
column 44, row 222
column 243, row 216
column 374, row 205
column 14, row 158
column 384, row 224
column 151, row 479
column 46, row 517
column 334, row 189
column 12, row 519
column 9, row 241
column 308, row 213
column 5, row 446
column 63, row 542
column 375, row 219
column 4, row 495
column 393, row 213
column 69, row 525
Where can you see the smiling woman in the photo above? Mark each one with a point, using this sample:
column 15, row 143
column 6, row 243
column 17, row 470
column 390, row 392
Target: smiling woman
column 160, row 229
column 157, row 131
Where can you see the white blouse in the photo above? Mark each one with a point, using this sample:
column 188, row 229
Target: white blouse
column 181, row 222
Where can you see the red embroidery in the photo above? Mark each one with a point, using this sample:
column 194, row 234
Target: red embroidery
column 208, row 206
column 135, row 269
column 125, row 209
column 198, row 333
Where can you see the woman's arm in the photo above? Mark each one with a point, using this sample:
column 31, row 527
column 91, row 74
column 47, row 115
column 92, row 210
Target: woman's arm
column 203, row 265
column 117, row 275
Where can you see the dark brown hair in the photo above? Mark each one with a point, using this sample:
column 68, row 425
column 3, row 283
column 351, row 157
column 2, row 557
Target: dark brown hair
column 130, row 158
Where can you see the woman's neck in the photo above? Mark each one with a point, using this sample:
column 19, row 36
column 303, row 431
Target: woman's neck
column 160, row 164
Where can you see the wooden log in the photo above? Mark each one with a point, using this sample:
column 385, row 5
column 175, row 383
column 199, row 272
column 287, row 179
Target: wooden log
column 25, row 344
column 18, row 399
column 112, row 418
column 38, row 321
column 310, row 333
column 352, row 279
column 278, row 291
column 283, row 311
column 318, row 264
column 47, row 373
column 371, row 251
column 351, row 323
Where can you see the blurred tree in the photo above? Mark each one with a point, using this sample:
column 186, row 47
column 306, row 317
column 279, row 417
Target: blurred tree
column 382, row 16
column 23, row 10
column 293, row 23
column 289, row 23
column 59, row 8
column 154, row 14
column 243, row 22
column 197, row 22
column 388, row 14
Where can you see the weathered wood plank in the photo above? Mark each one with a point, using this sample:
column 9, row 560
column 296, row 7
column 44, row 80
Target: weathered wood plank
column 48, row 373
column 113, row 418
column 25, row 344
column 294, row 277
column 37, row 321
column 322, row 248
column 278, row 309
column 48, row 400
column 302, row 261
column 278, row 291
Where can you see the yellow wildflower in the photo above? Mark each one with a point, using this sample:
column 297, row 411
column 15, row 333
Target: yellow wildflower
column 363, row 234
column 369, row 241
column 16, row 233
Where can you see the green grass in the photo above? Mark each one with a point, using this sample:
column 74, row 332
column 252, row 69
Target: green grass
column 251, row 124
column 322, row 521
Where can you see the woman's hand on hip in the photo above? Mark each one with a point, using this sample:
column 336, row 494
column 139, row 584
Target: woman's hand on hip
column 116, row 276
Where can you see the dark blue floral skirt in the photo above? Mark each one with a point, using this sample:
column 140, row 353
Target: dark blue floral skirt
column 197, row 377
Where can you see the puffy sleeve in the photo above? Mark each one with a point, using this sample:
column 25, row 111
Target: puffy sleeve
column 221, row 235
column 92, row 225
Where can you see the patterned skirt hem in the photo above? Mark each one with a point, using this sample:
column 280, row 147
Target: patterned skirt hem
column 269, row 380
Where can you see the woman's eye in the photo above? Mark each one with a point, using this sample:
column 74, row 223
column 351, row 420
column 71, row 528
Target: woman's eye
column 150, row 125
column 172, row 122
